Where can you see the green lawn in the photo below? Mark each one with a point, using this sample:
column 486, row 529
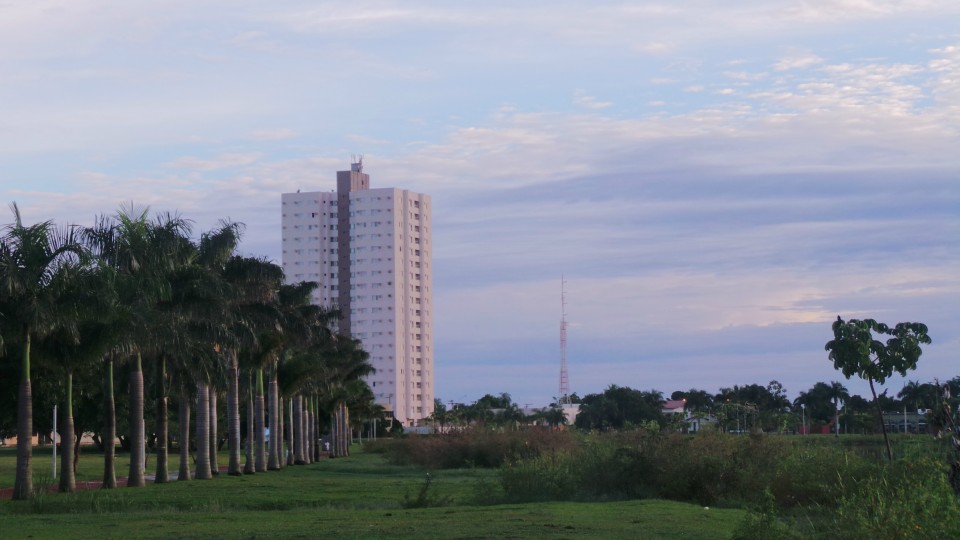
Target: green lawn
column 358, row 497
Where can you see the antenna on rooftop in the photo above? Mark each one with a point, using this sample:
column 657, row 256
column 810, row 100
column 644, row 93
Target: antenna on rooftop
column 564, row 378
column 356, row 163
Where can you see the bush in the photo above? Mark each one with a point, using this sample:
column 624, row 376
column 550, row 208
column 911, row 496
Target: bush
column 473, row 447
column 901, row 500
column 814, row 474
column 762, row 523
column 847, row 494
column 426, row 496
column 707, row 469
column 547, row 477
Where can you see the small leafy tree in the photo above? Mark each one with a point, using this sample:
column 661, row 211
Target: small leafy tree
column 855, row 351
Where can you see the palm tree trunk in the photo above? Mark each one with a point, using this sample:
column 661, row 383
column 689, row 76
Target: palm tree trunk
column 258, row 427
column 184, row 421
column 281, row 430
column 336, row 431
column 319, row 450
column 344, row 430
column 341, row 429
column 298, row 429
column 248, row 467
column 23, row 485
column 68, row 480
column 203, row 433
column 109, row 428
column 316, row 429
column 290, row 460
column 276, row 435
column 214, row 440
column 135, row 476
column 308, row 430
column 333, row 432
column 163, row 424
column 233, row 413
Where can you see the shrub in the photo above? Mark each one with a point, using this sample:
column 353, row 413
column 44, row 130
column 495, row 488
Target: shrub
column 547, row 477
column 901, row 500
column 762, row 523
column 814, row 474
column 426, row 496
column 474, row 447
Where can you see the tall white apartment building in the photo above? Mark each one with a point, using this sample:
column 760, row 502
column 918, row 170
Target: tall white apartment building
column 370, row 252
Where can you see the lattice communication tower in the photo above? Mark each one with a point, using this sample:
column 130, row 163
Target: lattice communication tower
column 564, row 377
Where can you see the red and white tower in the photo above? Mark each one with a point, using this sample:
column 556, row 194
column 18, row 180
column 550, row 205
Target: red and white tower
column 564, row 378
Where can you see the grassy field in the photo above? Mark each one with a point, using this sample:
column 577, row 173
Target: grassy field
column 358, row 497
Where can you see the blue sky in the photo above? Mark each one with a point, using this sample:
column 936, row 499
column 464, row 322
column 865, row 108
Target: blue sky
column 717, row 181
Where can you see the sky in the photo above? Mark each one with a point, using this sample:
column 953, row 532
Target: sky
column 715, row 182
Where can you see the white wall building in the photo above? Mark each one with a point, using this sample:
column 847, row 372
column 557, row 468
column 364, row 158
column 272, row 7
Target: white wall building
column 370, row 251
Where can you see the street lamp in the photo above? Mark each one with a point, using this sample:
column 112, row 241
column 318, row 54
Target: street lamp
column 839, row 405
column 803, row 415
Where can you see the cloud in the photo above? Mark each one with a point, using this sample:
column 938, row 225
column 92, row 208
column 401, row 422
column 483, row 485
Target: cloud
column 655, row 48
column 276, row 134
column 222, row 161
column 589, row 102
column 797, row 60
column 366, row 141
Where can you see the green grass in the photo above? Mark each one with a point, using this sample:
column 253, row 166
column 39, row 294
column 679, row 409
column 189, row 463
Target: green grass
column 357, row 497
column 631, row 519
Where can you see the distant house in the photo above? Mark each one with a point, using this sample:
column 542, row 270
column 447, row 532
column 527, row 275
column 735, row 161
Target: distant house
column 674, row 406
column 694, row 421
column 906, row 421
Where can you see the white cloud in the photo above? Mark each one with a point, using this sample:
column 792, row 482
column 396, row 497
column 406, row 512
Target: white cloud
column 797, row 60
column 276, row 134
column 589, row 102
column 366, row 141
column 656, row 48
column 222, row 161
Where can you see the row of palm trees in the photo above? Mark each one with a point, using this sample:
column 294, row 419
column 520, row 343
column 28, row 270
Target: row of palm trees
column 138, row 291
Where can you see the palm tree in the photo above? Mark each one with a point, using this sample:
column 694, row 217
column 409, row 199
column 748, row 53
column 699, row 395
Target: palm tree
column 252, row 285
column 301, row 325
column 204, row 299
column 440, row 417
column 919, row 396
column 143, row 254
column 84, row 291
column 555, row 417
column 838, row 393
column 31, row 259
column 344, row 366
